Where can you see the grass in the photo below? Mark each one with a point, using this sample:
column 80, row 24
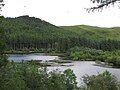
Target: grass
column 95, row 33
column 61, row 61
column 56, row 54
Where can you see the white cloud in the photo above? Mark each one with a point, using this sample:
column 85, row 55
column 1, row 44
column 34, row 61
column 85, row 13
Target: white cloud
column 62, row 12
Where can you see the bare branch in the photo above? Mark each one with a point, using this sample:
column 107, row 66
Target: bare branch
column 102, row 4
column 1, row 0
column 1, row 5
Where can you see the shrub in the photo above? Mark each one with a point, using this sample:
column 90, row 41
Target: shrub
column 104, row 81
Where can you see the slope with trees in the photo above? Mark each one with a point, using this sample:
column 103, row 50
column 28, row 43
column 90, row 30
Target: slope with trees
column 32, row 33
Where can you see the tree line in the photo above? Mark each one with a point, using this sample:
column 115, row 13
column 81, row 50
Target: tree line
column 36, row 34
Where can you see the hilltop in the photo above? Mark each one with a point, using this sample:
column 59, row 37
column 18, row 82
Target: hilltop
column 95, row 33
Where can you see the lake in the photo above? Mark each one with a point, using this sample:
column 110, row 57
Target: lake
column 80, row 68
column 29, row 57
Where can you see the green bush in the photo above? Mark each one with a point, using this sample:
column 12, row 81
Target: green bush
column 80, row 53
column 104, row 81
column 27, row 76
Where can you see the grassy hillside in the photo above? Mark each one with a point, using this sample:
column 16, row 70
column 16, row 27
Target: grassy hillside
column 95, row 33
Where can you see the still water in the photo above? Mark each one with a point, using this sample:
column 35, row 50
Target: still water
column 34, row 56
column 80, row 68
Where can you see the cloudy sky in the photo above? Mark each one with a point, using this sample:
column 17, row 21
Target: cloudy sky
column 63, row 12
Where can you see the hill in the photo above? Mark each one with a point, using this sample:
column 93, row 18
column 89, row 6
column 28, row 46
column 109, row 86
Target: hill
column 31, row 33
column 95, row 33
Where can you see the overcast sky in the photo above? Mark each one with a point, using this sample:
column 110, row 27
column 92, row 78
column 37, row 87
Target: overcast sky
column 63, row 12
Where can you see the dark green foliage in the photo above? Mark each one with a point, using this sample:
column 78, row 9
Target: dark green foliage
column 82, row 53
column 27, row 76
column 34, row 34
column 96, row 37
column 104, row 81
column 70, row 79
column 2, row 37
column 10, row 78
column 3, row 58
